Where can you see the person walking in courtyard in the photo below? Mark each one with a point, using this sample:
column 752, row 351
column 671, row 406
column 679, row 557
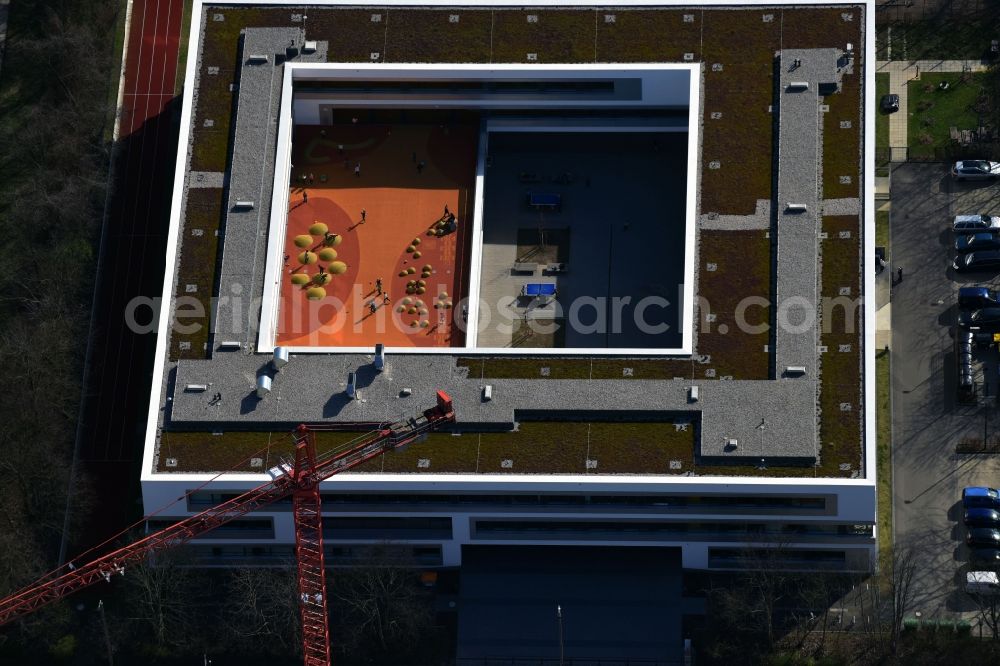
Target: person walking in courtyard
column 420, row 166
column 378, row 285
column 305, row 197
column 372, row 307
column 357, row 170
column 899, row 275
column 385, row 298
column 364, row 214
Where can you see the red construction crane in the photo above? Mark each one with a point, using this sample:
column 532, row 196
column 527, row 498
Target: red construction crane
column 300, row 480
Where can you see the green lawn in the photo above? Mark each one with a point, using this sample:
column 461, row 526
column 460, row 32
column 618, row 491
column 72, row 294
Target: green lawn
column 182, row 48
column 881, row 119
column 883, row 421
column 934, row 111
column 882, row 228
column 951, row 38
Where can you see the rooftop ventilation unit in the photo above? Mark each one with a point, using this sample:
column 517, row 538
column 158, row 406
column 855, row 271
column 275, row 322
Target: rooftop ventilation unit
column 797, row 86
column 487, row 393
column 280, row 359
column 196, row 388
column 379, row 357
column 692, row 394
column 309, row 47
column 263, row 385
column 243, row 204
column 732, row 443
column 352, row 385
column 257, row 59
column 796, row 207
column 230, row 345
column 795, row 370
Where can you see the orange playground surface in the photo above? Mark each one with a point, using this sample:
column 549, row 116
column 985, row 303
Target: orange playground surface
column 403, row 177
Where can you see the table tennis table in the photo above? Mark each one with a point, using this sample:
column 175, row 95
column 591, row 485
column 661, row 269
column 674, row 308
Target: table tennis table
column 535, row 289
column 545, row 200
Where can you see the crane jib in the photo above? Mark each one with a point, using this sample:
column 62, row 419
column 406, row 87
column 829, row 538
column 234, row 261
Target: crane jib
column 299, row 481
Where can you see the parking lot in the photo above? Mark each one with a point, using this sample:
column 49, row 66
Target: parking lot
column 926, row 418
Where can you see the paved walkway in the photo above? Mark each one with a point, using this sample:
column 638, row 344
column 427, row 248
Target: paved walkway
column 902, row 72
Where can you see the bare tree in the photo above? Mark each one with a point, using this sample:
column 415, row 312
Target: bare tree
column 380, row 603
column 163, row 594
column 897, row 572
column 988, row 612
column 262, row 612
column 744, row 609
column 56, row 70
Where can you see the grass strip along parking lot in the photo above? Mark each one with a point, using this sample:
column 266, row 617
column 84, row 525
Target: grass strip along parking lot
column 938, row 103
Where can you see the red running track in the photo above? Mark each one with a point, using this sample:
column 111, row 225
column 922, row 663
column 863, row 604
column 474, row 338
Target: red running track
column 132, row 264
column 151, row 62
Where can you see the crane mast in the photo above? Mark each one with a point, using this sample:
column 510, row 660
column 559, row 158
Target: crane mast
column 299, row 480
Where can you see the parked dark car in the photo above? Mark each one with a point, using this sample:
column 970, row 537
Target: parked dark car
column 982, row 240
column 975, row 170
column 987, row 318
column 977, row 262
column 982, row 518
column 889, row 103
column 975, row 298
column 982, row 536
column 980, row 497
column 988, row 556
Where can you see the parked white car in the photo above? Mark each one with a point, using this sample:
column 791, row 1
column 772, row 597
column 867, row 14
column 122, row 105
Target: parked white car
column 982, row 582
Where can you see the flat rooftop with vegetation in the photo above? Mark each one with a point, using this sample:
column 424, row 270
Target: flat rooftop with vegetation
column 774, row 385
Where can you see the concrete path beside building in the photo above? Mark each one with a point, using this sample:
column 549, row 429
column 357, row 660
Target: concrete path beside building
column 883, row 308
column 902, row 72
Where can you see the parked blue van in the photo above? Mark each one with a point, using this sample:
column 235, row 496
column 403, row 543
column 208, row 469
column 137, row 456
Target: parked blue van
column 978, row 496
column 974, row 298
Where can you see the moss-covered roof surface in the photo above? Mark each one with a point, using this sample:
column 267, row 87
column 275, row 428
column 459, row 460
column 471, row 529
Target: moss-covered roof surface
column 737, row 47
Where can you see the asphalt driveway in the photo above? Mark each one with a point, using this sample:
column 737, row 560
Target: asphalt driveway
column 927, row 422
